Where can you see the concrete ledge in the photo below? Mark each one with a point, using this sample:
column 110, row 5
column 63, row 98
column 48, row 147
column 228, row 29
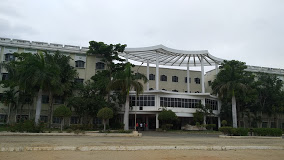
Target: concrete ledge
column 250, row 137
column 138, row 148
column 94, row 134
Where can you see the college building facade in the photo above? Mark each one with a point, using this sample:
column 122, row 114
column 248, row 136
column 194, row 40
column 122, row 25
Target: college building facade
column 179, row 90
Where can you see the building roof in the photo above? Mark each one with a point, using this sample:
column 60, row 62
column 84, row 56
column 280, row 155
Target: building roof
column 170, row 57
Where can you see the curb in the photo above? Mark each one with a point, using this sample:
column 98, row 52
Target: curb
column 138, row 148
column 250, row 137
column 73, row 134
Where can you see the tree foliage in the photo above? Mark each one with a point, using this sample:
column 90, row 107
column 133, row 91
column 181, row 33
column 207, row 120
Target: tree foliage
column 167, row 116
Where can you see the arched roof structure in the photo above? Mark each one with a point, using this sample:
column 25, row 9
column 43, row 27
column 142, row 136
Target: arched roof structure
column 170, row 57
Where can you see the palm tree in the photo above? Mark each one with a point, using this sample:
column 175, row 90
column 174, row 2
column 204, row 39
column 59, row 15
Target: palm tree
column 125, row 81
column 10, row 100
column 67, row 73
column 228, row 82
column 35, row 71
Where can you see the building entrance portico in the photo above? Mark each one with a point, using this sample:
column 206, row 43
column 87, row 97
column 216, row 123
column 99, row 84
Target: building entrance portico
column 148, row 121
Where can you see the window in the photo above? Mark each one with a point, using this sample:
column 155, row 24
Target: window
column 3, row 118
column 5, row 76
column 179, row 102
column 163, row 78
column 80, row 64
column 264, row 124
column 9, row 57
column 58, row 100
column 273, row 125
column 151, row 77
column 209, row 83
column 164, row 89
column 56, row 120
column 24, row 117
column 97, row 121
column 175, row 90
column 197, row 80
column 100, row 65
column 151, row 89
column 144, row 100
column 45, row 99
column 174, row 79
column 79, row 81
column 212, row 103
column 185, row 79
column 44, row 119
column 196, row 92
column 74, row 120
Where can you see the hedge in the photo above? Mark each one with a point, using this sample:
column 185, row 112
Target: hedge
column 234, row 131
column 257, row 131
column 267, row 131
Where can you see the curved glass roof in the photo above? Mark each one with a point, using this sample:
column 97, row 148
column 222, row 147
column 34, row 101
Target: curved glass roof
column 170, row 57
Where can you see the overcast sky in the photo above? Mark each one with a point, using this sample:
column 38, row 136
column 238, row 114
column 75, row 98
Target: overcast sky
column 246, row 30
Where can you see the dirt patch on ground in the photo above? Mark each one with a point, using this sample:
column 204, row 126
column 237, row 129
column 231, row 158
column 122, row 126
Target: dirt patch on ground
column 142, row 155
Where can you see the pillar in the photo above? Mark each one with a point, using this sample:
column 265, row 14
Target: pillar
column 148, row 72
column 202, row 76
column 219, row 109
column 216, row 68
column 126, row 57
column 157, row 71
column 187, row 71
column 147, row 122
column 157, row 120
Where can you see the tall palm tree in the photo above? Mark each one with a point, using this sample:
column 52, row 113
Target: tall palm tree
column 228, row 82
column 66, row 76
column 124, row 82
column 10, row 100
column 36, row 72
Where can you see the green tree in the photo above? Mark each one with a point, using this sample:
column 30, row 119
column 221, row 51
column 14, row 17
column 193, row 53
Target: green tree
column 62, row 112
column 206, row 110
column 228, row 82
column 34, row 71
column 65, row 84
column 167, row 116
column 105, row 114
column 10, row 99
column 124, row 82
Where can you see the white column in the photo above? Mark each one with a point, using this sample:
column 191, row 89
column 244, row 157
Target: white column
column 157, row 120
column 147, row 122
column 148, row 75
column 157, row 71
column 126, row 56
column 188, row 86
column 219, row 109
column 216, row 68
column 202, row 76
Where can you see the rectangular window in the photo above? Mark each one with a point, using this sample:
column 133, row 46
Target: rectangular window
column 3, row 118
column 197, row 80
column 44, row 119
column 144, row 100
column 174, row 79
column 19, row 119
column 100, row 65
column 151, row 77
column 264, row 124
column 45, row 99
column 79, row 81
column 209, row 83
column 74, row 120
column 9, row 57
column 212, row 103
column 273, row 125
column 58, row 100
column 80, row 64
column 185, row 79
column 5, row 76
column 97, row 121
column 178, row 102
column 56, row 120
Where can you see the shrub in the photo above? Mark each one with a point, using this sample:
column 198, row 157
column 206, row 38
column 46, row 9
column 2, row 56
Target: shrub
column 267, row 131
column 242, row 131
column 167, row 126
column 210, row 126
column 69, row 130
column 224, row 123
column 27, row 126
column 116, row 125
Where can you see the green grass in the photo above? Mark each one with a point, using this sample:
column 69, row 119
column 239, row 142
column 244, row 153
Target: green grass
column 3, row 128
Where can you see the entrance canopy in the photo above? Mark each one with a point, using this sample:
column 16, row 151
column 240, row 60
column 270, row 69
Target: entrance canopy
column 170, row 57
